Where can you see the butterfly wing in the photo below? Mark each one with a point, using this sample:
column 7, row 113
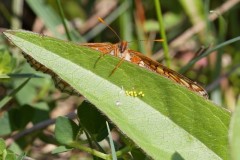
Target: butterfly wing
column 169, row 73
column 105, row 48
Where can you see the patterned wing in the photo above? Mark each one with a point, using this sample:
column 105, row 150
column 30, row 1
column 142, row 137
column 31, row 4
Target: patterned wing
column 166, row 72
column 105, row 48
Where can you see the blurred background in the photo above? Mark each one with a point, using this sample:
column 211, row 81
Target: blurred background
column 193, row 29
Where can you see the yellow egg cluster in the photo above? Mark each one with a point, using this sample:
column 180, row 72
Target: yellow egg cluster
column 134, row 93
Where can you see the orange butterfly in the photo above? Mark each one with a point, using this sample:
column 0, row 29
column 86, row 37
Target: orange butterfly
column 121, row 50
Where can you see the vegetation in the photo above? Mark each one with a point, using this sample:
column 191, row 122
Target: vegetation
column 99, row 119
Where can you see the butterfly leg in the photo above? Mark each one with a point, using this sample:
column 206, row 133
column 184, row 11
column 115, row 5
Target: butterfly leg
column 101, row 56
column 116, row 52
column 119, row 63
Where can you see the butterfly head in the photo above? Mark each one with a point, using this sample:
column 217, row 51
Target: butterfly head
column 123, row 46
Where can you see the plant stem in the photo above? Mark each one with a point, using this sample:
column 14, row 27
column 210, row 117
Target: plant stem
column 162, row 32
column 63, row 20
column 100, row 154
column 89, row 150
column 123, row 151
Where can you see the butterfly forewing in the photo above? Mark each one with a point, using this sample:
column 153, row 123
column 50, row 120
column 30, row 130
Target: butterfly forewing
column 105, row 48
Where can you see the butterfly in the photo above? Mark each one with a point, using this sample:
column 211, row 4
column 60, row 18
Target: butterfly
column 122, row 51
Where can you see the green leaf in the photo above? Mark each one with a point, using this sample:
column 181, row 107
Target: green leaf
column 10, row 155
column 61, row 149
column 2, row 146
column 5, row 154
column 22, row 156
column 234, row 134
column 138, row 154
column 4, row 76
column 41, row 112
column 93, row 121
column 22, row 115
column 169, row 119
column 7, row 63
column 65, row 130
column 6, row 127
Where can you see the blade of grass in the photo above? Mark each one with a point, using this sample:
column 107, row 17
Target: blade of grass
column 63, row 20
column 192, row 62
column 216, row 94
column 51, row 19
column 140, row 35
column 47, row 14
column 126, row 25
column 221, row 34
column 24, row 75
column 113, row 151
column 162, row 32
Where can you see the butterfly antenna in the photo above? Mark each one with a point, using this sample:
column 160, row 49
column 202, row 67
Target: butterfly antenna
column 102, row 21
column 156, row 40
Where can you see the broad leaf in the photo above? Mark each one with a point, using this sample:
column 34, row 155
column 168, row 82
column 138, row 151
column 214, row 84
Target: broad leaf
column 2, row 146
column 7, row 62
column 93, row 121
column 234, row 134
column 66, row 130
column 61, row 149
column 169, row 120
